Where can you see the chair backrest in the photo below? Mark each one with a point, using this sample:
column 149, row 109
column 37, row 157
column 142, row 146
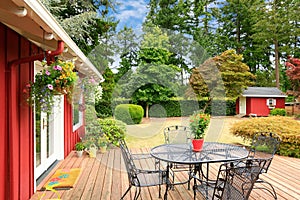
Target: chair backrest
column 177, row 134
column 264, row 146
column 236, row 179
column 129, row 164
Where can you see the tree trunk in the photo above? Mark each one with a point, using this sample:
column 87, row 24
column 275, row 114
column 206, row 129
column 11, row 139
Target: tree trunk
column 277, row 63
column 147, row 110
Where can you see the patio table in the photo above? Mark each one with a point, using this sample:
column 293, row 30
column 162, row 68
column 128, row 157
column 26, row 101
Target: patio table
column 211, row 152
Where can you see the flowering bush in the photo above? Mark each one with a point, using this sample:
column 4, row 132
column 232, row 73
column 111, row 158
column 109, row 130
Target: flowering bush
column 198, row 123
column 58, row 78
column 91, row 89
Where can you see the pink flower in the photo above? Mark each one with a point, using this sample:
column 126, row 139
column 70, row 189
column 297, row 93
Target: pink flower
column 57, row 67
column 92, row 80
column 47, row 73
column 50, row 86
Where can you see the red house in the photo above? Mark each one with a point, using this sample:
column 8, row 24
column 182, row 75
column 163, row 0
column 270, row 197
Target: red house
column 28, row 34
column 258, row 101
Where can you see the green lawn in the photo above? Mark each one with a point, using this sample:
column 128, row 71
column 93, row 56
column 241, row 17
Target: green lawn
column 150, row 132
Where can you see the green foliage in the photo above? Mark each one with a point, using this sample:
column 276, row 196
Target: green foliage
column 178, row 108
column 113, row 129
column 82, row 21
column 286, row 127
column 103, row 107
column 129, row 113
column 199, row 121
column 278, row 111
column 220, row 76
column 79, row 146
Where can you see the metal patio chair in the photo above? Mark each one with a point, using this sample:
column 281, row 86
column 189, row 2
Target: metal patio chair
column 264, row 145
column 140, row 177
column 178, row 134
column 235, row 180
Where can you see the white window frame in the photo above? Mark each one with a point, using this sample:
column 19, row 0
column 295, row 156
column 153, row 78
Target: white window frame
column 80, row 113
column 271, row 102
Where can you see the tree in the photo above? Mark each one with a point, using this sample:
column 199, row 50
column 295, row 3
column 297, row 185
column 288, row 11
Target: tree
column 84, row 21
column 276, row 27
column 126, row 43
column 293, row 72
column 151, row 82
column 223, row 75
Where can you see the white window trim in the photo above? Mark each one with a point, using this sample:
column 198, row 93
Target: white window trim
column 80, row 123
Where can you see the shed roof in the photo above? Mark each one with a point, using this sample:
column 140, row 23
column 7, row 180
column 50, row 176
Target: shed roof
column 263, row 92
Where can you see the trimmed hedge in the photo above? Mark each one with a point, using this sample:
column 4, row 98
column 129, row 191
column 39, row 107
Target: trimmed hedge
column 174, row 108
column 129, row 113
column 286, row 127
column 178, row 108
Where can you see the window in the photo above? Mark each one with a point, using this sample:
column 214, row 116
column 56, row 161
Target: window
column 78, row 113
column 271, row 103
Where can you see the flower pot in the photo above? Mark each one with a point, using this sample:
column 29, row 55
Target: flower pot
column 103, row 149
column 79, row 153
column 197, row 144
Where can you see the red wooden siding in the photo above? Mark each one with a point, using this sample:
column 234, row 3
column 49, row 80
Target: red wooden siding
column 70, row 137
column 16, row 140
column 259, row 106
column 3, row 121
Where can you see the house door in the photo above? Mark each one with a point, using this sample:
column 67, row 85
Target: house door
column 44, row 142
column 49, row 134
column 242, row 104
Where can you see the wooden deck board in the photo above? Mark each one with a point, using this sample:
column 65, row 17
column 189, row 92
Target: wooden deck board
column 105, row 178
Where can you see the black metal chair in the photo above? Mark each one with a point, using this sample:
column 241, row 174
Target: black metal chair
column 264, row 146
column 140, row 177
column 235, row 180
column 178, row 134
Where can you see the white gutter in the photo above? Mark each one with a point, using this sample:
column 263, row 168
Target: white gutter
column 46, row 16
column 264, row 96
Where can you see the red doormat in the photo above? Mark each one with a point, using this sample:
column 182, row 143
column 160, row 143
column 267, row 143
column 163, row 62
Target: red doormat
column 62, row 179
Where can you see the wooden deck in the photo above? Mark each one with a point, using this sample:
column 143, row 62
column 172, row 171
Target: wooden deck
column 105, row 178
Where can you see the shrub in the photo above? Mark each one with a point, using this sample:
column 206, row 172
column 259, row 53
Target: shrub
column 129, row 113
column 278, row 111
column 113, row 129
column 286, row 127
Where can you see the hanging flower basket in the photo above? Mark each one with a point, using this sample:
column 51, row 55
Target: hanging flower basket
column 58, row 78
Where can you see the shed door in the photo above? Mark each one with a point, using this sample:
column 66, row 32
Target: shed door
column 242, row 103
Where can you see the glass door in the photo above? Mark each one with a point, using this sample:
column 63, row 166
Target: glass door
column 44, row 145
column 44, row 137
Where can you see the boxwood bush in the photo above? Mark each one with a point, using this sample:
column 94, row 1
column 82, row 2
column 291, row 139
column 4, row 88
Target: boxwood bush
column 129, row 113
column 278, row 111
column 286, row 127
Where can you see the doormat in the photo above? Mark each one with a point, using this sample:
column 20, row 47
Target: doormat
column 62, row 179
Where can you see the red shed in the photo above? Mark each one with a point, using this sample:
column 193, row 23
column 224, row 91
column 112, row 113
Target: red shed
column 258, row 101
column 28, row 34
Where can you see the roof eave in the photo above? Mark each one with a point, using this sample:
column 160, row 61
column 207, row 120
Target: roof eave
column 42, row 15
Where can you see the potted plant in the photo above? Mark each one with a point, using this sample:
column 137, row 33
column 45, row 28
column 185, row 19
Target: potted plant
column 79, row 147
column 199, row 121
column 102, row 143
column 57, row 78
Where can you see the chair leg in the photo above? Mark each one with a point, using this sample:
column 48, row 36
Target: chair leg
column 272, row 191
column 159, row 191
column 137, row 193
column 126, row 192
